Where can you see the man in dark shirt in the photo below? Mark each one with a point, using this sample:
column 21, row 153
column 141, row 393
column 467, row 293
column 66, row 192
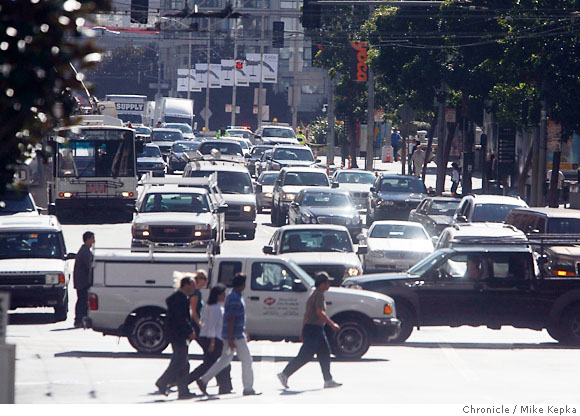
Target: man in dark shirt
column 82, row 276
column 179, row 331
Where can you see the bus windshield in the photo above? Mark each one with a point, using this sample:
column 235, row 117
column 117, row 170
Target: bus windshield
column 96, row 153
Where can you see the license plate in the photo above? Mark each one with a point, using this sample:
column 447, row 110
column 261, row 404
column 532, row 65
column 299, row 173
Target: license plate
column 171, row 230
column 96, row 188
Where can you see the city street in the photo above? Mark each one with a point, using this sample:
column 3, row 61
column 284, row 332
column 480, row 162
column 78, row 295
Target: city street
column 59, row 364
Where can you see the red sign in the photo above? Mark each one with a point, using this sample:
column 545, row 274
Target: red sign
column 361, row 49
column 269, row 301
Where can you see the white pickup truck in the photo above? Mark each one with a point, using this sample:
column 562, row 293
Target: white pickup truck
column 129, row 291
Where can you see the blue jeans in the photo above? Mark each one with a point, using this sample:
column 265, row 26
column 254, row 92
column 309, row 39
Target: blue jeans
column 315, row 342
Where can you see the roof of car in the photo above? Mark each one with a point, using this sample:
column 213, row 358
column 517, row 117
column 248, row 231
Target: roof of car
column 302, row 169
column 393, row 222
column 497, row 199
column 485, row 229
column 307, row 227
column 325, row 190
column 172, row 188
column 36, row 223
column 292, row 146
column 551, row 212
column 166, row 129
column 218, row 165
column 353, row 171
column 492, row 247
column 444, row 198
column 397, row 175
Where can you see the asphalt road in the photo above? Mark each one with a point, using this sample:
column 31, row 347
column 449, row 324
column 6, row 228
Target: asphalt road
column 59, row 364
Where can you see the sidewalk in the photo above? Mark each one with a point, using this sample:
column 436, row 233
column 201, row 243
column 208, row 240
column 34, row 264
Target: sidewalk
column 395, row 167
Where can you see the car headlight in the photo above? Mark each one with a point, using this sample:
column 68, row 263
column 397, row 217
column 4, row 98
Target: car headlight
column 382, row 202
column 289, row 197
column 376, row 253
column 268, row 194
column 159, row 165
column 354, row 286
column 356, row 220
column 54, row 279
column 352, row 271
column 247, row 208
column 140, row 227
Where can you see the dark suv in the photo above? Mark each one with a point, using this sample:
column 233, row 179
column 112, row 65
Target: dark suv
column 392, row 197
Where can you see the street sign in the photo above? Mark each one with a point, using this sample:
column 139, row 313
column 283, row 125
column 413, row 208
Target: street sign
column 229, row 108
column 4, row 306
column 205, row 113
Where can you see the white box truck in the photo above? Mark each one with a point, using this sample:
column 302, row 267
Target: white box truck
column 130, row 108
column 174, row 110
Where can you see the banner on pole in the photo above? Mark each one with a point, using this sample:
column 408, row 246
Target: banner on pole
column 215, row 72
column 252, row 65
column 201, row 74
column 182, row 80
column 270, row 68
column 227, row 72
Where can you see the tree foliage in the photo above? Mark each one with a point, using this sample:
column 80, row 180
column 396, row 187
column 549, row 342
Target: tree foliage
column 39, row 41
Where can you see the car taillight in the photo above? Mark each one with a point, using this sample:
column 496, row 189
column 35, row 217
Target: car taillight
column 93, row 302
column 61, row 279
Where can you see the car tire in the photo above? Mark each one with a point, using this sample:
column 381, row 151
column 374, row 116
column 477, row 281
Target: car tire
column 569, row 328
column 554, row 332
column 351, row 341
column 251, row 235
column 273, row 215
column 408, row 322
column 61, row 311
column 147, row 334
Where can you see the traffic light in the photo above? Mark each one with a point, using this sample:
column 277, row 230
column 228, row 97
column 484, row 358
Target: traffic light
column 239, row 64
column 278, row 34
column 311, row 15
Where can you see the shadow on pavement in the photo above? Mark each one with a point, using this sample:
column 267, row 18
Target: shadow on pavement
column 166, row 355
column 31, row 318
column 490, row 345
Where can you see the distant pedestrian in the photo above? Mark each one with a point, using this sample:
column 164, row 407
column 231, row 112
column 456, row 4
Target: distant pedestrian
column 83, row 277
column 210, row 339
column 235, row 338
column 418, row 159
column 158, row 124
column 395, row 139
column 179, row 331
column 313, row 335
column 455, row 178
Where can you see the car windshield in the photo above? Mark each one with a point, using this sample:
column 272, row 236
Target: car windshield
column 185, row 147
column 183, row 127
column 326, row 199
column 427, row 263
column 150, row 151
column 243, row 144
column 225, row 148
column 278, row 132
column 356, row 177
column 13, row 201
column 268, row 178
column 298, row 241
column 166, row 136
column 293, row 154
column 564, row 226
column 398, row 231
column 243, row 133
column 408, row 185
column 27, row 245
column 443, row 207
column 491, row 212
column 258, row 151
column 175, row 202
column 306, row 179
column 229, row 182
column 142, row 130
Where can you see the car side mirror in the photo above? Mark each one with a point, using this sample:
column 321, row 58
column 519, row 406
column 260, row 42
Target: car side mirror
column 334, row 185
column 461, row 218
column 362, row 250
column 268, row 157
column 373, row 189
column 247, row 156
column 70, row 256
column 317, row 161
column 40, row 210
column 542, row 260
column 361, row 237
column 294, row 204
column 257, row 136
column 222, row 209
column 298, row 286
column 268, row 250
column 258, row 188
column 434, row 240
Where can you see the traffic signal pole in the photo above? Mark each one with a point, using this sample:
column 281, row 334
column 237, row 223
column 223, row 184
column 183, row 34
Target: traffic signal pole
column 233, row 118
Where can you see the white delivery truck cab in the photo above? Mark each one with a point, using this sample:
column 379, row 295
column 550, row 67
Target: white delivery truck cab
column 174, row 110
column 129, row 291
column 130, row 108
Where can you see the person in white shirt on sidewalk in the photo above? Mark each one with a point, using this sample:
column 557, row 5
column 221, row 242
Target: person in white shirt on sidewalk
column 210, row 339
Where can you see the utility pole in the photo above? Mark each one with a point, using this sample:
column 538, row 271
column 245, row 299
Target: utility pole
column 541, row 179
column 260, row 103
column 233, row 118
column 206, row 118
column 331, row 123
column 370, row 113
column 189, row 66
column 295, row 87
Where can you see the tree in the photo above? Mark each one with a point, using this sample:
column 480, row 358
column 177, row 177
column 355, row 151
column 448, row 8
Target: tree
column 39, row 43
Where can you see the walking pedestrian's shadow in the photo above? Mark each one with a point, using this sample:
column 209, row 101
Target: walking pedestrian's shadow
column 295, row 392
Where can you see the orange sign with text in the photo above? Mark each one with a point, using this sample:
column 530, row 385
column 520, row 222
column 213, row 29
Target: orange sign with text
column 361, row 49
